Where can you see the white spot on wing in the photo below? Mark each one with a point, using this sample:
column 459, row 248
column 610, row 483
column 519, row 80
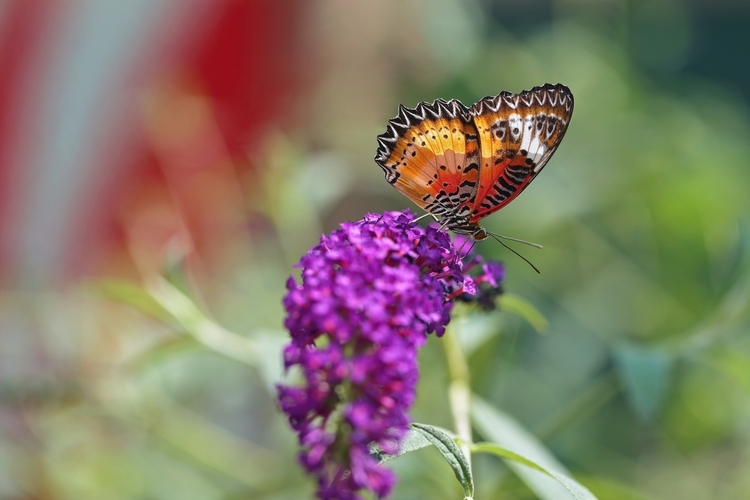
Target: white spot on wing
column 514, row 125
column 536, row 149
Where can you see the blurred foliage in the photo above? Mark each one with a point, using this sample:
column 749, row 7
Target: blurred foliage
column 640, row 384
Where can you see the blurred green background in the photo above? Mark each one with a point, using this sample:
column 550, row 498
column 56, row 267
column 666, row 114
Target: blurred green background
column 640, row 384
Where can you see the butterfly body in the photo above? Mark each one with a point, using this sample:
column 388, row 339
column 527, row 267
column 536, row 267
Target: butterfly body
column 462, row 164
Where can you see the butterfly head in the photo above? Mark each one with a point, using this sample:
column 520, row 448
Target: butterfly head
column 479, row 235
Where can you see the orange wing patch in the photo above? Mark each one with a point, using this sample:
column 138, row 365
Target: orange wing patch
column 426, row 154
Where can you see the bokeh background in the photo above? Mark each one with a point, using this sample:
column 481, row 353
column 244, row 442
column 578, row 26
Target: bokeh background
column 164, row 163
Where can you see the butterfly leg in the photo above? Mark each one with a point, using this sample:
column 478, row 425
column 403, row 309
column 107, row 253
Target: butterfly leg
column 471, row 247
column 425, row 215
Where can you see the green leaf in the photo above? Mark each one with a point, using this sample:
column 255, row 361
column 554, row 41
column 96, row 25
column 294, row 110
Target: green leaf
column 414, row 440
column 131, row 294
column 521, row 307
column 163, row 349
column 423, row 435
column 197, row 324
column 166, row 302
column 612, row 489
column 576, row 490
column 446, row 445
column 524, row 454
column 645, row 374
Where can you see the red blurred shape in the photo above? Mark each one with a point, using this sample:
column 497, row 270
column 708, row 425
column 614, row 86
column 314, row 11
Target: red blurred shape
column 207, row 106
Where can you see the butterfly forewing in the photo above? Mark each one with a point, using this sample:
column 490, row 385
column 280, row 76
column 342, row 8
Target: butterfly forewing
column 426, row 154
column 518, row 134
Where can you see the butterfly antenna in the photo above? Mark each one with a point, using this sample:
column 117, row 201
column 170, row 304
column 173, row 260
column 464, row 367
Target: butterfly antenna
column 535, row 245
column 522, row 257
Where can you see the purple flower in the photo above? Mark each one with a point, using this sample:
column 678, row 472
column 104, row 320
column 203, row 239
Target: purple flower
column 487, row 284
column 370, row 293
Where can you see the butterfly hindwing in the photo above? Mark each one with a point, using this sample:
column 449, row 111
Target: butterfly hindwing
column 518, row 134
column 430, row 154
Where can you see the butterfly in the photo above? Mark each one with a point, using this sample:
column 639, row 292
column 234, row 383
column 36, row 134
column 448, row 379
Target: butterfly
column 462, row 164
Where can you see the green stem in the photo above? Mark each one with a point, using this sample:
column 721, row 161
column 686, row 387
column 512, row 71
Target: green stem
column 459, row 391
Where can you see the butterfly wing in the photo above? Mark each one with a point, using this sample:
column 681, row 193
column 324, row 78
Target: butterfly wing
column 518, row 134
column 431, row 154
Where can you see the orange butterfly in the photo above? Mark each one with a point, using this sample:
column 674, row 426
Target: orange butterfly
column 462, row 164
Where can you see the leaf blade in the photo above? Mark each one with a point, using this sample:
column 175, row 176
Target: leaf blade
column 446, row 445
column 524, row 454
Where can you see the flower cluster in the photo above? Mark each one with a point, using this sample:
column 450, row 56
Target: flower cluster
column 486, row 286
column 369, row 294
